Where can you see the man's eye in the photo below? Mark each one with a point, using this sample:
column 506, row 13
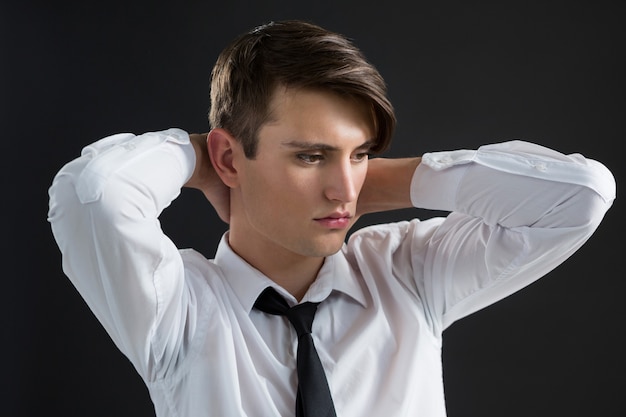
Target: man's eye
column 310, row 158
column 361, row 156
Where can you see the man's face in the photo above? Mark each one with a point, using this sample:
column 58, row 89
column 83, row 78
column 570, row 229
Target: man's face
column 298, row 195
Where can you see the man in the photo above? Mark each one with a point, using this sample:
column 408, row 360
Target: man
column 295, row 112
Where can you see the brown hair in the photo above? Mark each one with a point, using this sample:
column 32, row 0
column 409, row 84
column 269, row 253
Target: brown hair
column 294, row 54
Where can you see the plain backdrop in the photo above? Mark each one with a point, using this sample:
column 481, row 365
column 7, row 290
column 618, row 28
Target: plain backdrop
column 460, row 74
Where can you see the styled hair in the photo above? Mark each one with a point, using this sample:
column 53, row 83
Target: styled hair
column 292, row 54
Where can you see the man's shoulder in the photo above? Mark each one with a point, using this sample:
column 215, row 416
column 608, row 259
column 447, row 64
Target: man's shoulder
column 380, row 235
column 394, row 234
column 379, row 230
column 201, row 273
column 197, row 264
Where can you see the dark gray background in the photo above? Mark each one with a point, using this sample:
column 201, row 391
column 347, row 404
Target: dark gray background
column 460, row 75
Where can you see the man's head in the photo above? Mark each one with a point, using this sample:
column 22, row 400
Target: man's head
column 296, row 110
column 292, row 54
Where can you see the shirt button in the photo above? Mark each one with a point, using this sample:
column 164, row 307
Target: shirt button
column 540, row 166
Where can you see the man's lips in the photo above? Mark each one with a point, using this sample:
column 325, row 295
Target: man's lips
column 335, row 220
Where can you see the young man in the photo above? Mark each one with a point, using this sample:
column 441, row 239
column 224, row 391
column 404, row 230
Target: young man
column 295, row 112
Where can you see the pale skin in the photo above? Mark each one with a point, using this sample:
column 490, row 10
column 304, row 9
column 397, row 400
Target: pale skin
column 292, row 204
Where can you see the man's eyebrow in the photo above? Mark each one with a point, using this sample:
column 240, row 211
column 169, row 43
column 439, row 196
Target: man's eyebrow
column 318, row 146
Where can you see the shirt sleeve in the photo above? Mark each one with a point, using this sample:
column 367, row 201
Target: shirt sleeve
column 103, row 211
column 517, row 211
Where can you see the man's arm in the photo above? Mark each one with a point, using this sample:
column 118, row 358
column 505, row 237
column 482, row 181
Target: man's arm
column 387, row 185
column 103, row 210
column 517, row 211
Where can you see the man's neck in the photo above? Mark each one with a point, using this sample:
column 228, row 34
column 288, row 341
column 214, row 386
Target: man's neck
column 295, row 277
column 292, row 271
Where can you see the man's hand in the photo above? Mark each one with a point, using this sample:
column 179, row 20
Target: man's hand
column 387, row 185
column 205, row 178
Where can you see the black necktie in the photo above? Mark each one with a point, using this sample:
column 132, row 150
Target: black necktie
column 313, row 398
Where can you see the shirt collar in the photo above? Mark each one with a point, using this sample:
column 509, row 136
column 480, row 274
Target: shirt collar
column 248, row 282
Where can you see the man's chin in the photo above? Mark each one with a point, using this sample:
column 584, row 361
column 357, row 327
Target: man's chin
column 327, row 247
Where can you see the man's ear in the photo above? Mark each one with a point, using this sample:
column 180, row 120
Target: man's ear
column 223, row 149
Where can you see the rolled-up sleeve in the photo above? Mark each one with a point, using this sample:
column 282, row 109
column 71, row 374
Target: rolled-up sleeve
column 518, row 210
column 103, row 210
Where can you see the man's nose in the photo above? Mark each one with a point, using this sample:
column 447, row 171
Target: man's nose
column 340, row 183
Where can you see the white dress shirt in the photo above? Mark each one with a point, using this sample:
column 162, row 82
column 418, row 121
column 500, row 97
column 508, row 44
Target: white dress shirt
column 187, row 324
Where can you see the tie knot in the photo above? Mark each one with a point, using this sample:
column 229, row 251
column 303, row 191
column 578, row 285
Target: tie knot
column 301, row 315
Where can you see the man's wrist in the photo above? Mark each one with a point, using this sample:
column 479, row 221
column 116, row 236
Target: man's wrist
column 387, row 185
